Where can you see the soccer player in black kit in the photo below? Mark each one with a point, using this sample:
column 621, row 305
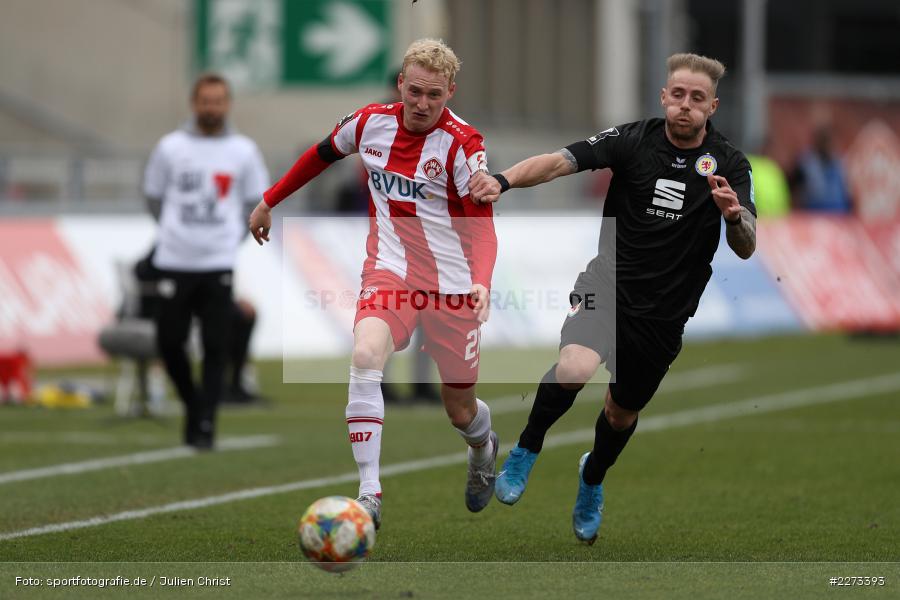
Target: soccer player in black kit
column 674, row 180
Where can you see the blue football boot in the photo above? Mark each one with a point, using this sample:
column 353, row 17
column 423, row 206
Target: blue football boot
column 588, row 511
column 513, row 477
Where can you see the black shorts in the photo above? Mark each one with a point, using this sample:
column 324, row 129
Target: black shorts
column 637, row 352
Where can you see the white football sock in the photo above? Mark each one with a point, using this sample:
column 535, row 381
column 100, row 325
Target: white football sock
column 478, row 435
column 365, row 416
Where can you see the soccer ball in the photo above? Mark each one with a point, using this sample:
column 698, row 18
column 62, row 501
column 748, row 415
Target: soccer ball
column 336, row 533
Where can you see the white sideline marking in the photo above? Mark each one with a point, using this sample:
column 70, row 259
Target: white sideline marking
column 847, row 390
column 676, row 382
column 92, row 438
column 139, row 458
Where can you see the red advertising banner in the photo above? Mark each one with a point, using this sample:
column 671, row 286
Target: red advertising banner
column 886, row 237
column 49, row 307
column 832, row 272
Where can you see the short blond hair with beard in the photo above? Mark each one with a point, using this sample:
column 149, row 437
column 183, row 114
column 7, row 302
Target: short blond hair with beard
column 697, row 64
column 433, row 55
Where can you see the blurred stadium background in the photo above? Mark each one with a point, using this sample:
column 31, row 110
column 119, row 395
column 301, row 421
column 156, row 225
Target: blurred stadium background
column 87, row 87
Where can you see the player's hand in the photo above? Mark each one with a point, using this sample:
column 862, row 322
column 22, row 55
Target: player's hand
column 724, row 197
column 483, row 188
column 481, row 299
column 261, row 222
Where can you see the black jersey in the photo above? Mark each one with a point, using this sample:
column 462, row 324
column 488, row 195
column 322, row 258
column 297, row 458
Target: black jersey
column 666, row 224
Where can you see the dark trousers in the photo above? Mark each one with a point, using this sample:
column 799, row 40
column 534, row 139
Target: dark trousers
column 241, row 323
column 207, row 296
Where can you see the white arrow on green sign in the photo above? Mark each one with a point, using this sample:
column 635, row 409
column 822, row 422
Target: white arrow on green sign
column 348, row 39
column 265, row 43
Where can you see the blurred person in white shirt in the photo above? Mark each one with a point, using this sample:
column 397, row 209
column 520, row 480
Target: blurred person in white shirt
column 201, row 182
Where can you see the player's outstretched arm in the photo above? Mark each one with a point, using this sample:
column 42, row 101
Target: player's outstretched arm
column 315, row 160
column 541, row 169
column 530, row 172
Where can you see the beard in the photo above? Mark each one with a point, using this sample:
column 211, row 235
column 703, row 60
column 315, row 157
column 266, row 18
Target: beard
column 684, row 132
column 209, row 122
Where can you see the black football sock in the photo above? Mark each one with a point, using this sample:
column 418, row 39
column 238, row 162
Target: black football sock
column 608, row 443
column 551, row 402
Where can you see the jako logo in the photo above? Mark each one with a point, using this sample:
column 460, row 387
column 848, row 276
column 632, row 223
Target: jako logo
column 373, row 152
column 669, row 194
column 397, row 187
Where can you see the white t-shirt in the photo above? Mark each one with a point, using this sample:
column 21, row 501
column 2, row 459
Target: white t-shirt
column 204, row 182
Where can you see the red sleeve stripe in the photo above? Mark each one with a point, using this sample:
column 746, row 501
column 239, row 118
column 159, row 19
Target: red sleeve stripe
column 307, row 167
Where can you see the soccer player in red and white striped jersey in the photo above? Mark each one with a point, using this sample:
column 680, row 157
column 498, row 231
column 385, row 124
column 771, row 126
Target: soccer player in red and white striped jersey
column 430, row 256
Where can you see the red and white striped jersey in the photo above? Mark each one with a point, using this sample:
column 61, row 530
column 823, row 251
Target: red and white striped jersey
column 423, row 226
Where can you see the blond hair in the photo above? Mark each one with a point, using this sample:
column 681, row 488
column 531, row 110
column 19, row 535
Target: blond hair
column 434, row 55
column 697, row 64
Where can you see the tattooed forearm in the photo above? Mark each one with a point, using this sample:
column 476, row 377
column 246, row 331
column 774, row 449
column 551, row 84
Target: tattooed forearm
column 541, row 169
column 742, row 237
column 570, row 159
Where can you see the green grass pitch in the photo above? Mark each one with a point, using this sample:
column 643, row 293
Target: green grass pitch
column 764, row 482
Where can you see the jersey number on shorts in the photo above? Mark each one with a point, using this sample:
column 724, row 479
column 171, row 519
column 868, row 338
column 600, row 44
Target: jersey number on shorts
column 473, row 337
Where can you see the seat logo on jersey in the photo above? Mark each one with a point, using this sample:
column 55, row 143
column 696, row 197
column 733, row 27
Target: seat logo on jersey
column 668, row 194
column 433, row 168
column 706, row 165
column 611, row 132
column 396, row 187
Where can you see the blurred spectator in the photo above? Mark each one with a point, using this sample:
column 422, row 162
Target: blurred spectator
column 771, row 193
column 819, row 180
column 240, row 380
column 201, row 183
